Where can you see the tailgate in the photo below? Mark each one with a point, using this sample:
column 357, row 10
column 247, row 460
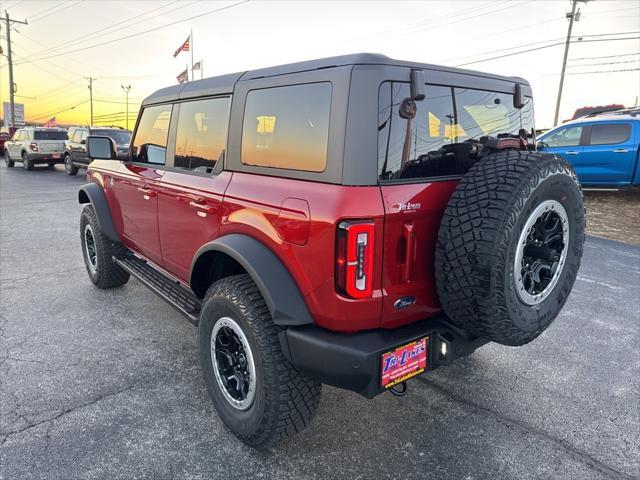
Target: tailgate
column 412, row 219
column 50, row 146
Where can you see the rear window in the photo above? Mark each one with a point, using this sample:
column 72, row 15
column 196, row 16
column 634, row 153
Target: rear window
column 118, row 136
column 610, row 134
column 287, row 127
column 49, row 135
column 439, row 140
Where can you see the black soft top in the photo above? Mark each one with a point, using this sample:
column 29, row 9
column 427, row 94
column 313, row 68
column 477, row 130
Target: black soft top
column 225, row 83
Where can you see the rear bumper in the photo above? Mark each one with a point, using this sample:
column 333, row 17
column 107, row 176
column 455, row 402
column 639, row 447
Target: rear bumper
column 353, row 361
column 45, row 157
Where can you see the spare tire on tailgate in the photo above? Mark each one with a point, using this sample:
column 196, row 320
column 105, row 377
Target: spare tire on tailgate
column 509, row 245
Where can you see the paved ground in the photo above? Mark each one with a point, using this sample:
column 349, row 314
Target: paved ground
column 98, row 384
column 614, row 215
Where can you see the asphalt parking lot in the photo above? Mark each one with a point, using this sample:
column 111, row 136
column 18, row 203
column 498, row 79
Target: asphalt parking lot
column 106, row 384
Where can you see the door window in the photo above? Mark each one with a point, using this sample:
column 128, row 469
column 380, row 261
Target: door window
column 76, row 136
column 610, row 134
column 202, row 134
column 150, row 142
column 287, row 127
column 565, row 137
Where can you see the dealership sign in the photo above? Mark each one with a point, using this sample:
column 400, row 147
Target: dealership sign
column 19, row 114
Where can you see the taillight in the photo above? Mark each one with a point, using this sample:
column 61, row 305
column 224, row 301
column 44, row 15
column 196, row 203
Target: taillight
column 354, row 258
column 34, row 146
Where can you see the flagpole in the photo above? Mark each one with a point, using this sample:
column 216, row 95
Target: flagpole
column 191, row 48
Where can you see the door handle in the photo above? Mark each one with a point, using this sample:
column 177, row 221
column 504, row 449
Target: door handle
column 409, row 237
column 571, row 152
column 201, row 208
column 147, row 192
column 621, row 150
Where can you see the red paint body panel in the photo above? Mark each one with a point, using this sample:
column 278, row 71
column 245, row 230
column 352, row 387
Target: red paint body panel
column 252, row 207
column 189, row 213
column 298, row 221
column 413, row 214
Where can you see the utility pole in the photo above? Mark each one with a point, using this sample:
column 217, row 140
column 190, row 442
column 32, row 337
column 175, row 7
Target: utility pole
column 91, row 96
column 573, row 16
column 12, row 86
column 126, row 92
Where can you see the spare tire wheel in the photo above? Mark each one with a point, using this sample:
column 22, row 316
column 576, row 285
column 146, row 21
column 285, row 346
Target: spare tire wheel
column 509, row 245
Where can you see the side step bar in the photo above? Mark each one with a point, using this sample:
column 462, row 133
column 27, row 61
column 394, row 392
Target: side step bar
column 166, row 288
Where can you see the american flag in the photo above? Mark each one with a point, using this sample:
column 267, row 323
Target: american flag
column 183, row 77
column 184, row 47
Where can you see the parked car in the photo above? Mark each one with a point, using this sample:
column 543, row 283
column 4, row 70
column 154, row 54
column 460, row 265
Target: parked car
column 4, row 136
column 75, row 148
column 354, row 221
column 603, row 149
column 35, row 145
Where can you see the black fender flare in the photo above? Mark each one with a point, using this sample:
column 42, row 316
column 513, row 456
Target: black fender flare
column 277, row 286
column 93, row 193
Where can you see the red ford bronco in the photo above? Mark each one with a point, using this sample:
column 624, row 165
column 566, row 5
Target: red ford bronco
column 354, row 221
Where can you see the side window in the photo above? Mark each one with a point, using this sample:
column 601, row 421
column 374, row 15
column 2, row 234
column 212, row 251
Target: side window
column 83, row 135
column 202, row 134
column 566, row 137
column 610, row 134
column 150, row 142
column 287, row 127
column 76, row 136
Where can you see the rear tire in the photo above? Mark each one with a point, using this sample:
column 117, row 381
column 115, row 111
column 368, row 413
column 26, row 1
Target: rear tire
column 277, row 401
column 69, row 168
column 510, row 245
column 98, row 252
column 7, row 160
column 27, row 163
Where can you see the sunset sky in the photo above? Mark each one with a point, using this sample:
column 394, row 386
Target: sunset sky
column 132, row 42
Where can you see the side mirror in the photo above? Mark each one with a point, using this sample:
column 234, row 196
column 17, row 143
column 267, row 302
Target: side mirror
column 83, row 142
column 541, row 145
column 101, row 148
column 518, row 97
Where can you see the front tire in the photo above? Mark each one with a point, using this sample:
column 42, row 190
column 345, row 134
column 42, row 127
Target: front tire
column 256, row 391
column 98, row 252
column 69, row 168
column 7, row 160
column 510, row 245
column 27, row 163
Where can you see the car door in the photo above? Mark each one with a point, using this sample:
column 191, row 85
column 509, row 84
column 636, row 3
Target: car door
column 12, row 149
column 81, row 148
column 566, row 142
column 134, row 187
column 191, row 193
column 609, row 154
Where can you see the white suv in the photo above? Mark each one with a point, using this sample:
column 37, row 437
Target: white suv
column 35, row 145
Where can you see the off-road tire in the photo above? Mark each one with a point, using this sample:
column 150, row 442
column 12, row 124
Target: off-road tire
column 285, row 400
column 7, row 160
column 106, row 273
column 69, row 168
column 478, row 238
column 27, row 163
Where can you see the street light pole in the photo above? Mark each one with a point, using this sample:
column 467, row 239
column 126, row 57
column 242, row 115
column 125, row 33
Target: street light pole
column 126, row 92
column 573, row 16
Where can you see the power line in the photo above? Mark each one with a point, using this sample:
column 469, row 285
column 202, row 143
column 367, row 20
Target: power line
column 542, row 48
column 59, row 9
column 54, row 113
column 606, row 71
column 602, row 63
column 137, row 34
column 104, row 31
column 636, row 54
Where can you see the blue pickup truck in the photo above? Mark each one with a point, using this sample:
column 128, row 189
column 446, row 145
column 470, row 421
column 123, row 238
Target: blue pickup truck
column 604, row 149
